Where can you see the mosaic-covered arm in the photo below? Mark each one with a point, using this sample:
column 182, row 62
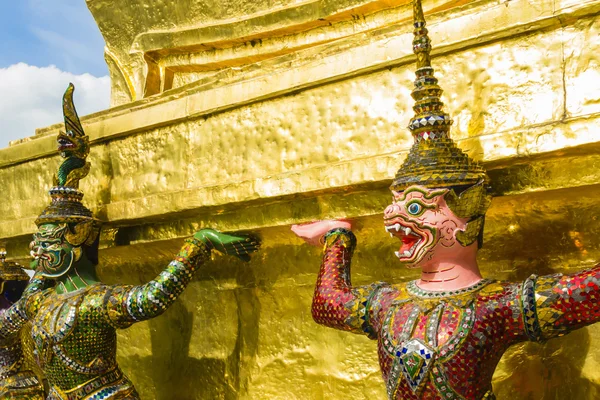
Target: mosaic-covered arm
column 13, row 319
column 336, row 303
column 129, row 304
column 555, row 305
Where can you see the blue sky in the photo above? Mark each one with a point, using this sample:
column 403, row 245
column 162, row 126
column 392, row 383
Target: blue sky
column 45, row 44
column 51, row 32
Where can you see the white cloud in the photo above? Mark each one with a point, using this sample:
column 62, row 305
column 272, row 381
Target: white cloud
column 32, row 98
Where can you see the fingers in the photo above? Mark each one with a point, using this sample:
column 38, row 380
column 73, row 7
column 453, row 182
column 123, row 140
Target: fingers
column 233, row 244
column 305, row 229
column 244, row 257
column 237, row 248
column 342, row 223
column 297, row 229
column 314, row 241
column 209, row 242
column 314, row 231
column 243, row 246
column 245, row 238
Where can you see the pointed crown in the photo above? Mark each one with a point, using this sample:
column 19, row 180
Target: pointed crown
column 434, row 160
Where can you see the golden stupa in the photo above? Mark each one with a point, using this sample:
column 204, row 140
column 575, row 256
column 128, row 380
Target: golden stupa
column 260, row 114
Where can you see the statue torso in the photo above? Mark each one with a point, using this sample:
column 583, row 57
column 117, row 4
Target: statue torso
column 75, row 344
column 445, row 345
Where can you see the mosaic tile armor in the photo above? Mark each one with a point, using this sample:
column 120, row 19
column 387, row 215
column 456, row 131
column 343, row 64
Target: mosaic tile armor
column 75, row 332
column 446, row 345
column 17, row 380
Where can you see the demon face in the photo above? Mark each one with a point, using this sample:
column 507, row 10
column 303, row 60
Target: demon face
column 424, row 223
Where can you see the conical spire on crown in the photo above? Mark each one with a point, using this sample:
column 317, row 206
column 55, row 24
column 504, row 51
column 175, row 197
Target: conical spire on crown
column 73, row 146
column 434, row 159
column 430, row 120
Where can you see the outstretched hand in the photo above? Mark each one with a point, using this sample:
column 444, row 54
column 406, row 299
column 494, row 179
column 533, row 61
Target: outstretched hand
column 240, row 246
column 314, row 231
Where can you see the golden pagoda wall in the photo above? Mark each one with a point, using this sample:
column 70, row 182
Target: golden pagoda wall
column 254, row 137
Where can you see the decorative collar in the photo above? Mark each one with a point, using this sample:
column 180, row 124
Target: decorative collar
column 415, row 290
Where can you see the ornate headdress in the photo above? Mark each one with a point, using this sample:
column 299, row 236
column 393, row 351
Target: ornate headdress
column 10, row 271
column 434, row 160
column 66, row 206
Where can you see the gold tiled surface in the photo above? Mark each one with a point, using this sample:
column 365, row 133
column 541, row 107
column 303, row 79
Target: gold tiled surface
column 320, row 132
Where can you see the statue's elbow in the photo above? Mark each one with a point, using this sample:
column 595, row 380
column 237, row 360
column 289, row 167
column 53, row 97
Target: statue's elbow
column 321, row 311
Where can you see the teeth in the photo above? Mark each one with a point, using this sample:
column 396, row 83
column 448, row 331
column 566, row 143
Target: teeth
column 415, row 245
column 407, row 253
column 397, row 227
column 393, row 227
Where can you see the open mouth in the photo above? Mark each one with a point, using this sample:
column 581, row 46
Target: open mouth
column 410, row 240
column 64, row 144
column 37, row 256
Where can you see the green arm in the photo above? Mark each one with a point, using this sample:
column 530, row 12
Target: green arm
column 129, row 304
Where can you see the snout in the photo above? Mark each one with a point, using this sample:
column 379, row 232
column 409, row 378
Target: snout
column 391, row 211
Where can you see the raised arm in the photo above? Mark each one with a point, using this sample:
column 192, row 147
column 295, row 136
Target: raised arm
column 336, row 303
column 128, row 304
column 13, row 319
column 555, row 305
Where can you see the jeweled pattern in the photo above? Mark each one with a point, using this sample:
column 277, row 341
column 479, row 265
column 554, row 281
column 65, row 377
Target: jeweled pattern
column 75, row 332
column 16, row 380
column 446, row 345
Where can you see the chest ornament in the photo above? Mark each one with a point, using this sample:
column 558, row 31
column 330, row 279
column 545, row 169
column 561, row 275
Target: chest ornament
column 55, row 325
column 416, row 359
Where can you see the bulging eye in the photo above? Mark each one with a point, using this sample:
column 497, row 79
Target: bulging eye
column 414, row 209
column 70, row 133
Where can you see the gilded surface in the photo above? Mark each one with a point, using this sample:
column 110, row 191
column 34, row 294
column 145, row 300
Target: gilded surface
column 508, row 109
column 153, row 46
column 236, row 148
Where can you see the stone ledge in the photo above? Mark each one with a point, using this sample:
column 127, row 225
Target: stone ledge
column 523, row 188
column 552, row 141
